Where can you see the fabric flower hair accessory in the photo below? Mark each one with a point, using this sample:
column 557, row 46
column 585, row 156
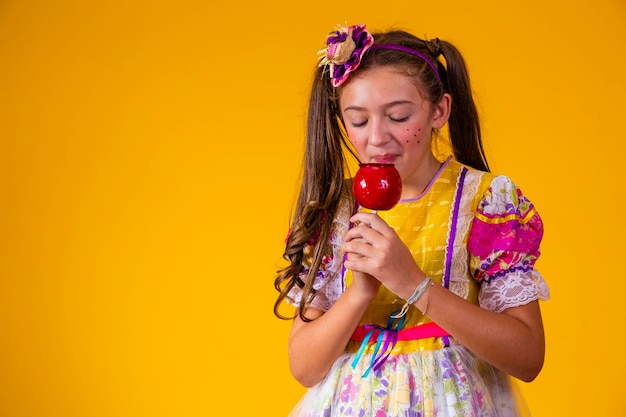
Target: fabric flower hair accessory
column 344, row 49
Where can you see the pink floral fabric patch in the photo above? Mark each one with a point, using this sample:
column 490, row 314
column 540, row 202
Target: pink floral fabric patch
column 506, row 232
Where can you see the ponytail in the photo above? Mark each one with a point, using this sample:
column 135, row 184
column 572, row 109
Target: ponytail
column 320, row 192
column 464, row 124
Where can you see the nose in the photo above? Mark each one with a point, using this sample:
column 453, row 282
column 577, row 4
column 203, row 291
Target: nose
column 379, row 133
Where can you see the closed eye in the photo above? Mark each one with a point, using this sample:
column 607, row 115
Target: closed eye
column 399, row 119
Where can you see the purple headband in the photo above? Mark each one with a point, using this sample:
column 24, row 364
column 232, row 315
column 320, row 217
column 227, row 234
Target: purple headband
column 410, row 51
column 346, row 46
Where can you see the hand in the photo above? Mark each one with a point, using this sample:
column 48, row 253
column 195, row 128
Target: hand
column 365, row 284
column 374, row 248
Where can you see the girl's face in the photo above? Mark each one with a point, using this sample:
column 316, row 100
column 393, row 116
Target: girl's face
column 388, row 121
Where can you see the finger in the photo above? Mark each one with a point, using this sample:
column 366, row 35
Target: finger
column 358, row 248
column 362, row 264
column 357, row 265
column 353, row 256
column 371, row 220
column 362, row 231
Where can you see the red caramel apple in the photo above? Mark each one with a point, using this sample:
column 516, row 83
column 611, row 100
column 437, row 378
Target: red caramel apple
column 377, row 186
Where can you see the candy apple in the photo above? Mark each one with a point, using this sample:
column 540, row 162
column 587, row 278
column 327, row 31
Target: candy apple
column 377, row 186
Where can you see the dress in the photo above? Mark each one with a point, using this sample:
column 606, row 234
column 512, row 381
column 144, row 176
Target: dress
column 477, row 235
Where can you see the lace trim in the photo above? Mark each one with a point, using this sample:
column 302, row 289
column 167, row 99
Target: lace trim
column 517, row 289
column 459, row 283
column 328, row 281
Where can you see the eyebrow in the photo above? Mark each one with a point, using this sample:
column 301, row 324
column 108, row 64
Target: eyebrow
column 388, row 105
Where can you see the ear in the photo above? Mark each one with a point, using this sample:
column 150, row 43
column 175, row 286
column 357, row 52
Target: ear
column 441, row 111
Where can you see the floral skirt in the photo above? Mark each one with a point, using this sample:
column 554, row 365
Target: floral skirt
column 445, row 382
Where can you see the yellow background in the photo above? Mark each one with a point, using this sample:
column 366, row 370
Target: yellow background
column 148, row 161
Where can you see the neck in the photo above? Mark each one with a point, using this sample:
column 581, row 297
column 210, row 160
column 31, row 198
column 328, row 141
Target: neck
column 421, row 179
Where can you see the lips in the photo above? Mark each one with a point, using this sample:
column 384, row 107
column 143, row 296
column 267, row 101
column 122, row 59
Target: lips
column 385, row 159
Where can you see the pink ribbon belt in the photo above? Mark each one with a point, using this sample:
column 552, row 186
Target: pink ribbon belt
column 422, row 331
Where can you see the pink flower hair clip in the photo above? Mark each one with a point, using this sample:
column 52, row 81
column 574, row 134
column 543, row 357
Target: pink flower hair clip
column 344, row 49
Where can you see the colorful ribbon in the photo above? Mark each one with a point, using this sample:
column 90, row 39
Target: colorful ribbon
column 387, row 337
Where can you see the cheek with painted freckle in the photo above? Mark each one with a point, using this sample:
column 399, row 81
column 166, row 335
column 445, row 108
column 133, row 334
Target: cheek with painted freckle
column 413, row 137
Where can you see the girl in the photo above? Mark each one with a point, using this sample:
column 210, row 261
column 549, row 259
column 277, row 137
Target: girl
column 425, row 309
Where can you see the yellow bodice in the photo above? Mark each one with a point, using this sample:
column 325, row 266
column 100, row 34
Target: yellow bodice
column 424, row 224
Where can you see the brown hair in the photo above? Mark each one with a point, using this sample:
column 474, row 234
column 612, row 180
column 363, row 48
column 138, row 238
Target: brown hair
column 324, row 158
